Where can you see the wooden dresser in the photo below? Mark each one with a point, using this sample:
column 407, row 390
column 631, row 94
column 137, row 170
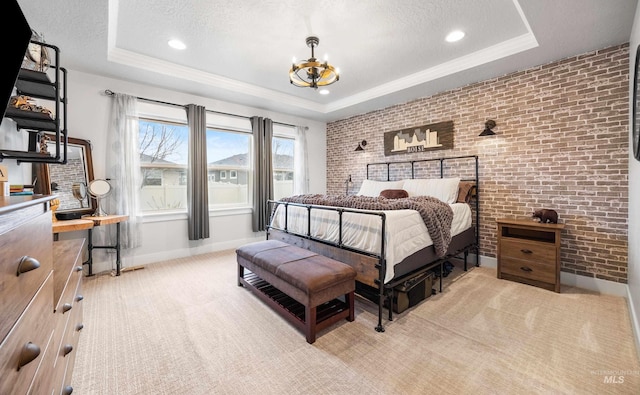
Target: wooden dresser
column 529, row 252
column 40, row 300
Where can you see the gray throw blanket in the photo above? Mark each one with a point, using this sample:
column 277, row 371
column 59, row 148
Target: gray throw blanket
column 436, row 214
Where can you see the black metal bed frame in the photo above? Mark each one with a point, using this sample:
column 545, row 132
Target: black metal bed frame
column 381, row 265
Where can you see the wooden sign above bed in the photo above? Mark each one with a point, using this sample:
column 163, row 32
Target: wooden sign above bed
column 435, row 136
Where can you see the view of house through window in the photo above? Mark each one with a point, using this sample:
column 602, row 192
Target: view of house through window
column 164, row 160
column 229, row 168
column 282, row 156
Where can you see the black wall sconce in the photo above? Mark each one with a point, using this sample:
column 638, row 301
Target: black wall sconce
column 361, row 145
column 490, row 124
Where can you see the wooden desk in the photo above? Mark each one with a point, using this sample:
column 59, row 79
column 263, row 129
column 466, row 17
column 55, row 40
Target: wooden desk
column 71, row 225
column 89, row 222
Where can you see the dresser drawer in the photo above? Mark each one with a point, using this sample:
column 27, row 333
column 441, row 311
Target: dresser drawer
column 31, row 239
column 31, row 332
column 526, row 250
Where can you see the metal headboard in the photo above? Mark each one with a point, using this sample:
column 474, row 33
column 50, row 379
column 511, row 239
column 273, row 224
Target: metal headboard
column 442, row 161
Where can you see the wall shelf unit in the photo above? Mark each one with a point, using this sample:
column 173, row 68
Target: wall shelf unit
column 49, row 86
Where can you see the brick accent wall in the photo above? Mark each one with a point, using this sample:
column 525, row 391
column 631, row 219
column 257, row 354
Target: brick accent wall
column 561, row 142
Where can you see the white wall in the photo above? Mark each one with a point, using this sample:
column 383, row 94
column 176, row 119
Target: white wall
column 89, row 108
column 634, row 196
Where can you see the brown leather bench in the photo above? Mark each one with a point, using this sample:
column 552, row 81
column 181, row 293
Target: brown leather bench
column 303, row 287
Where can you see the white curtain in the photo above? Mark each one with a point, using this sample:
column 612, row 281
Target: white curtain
column 123, row 169
column 300, row 162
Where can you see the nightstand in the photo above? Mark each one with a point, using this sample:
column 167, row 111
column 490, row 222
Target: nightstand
column 529, row 252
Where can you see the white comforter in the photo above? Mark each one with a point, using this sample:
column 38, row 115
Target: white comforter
column 405, row 231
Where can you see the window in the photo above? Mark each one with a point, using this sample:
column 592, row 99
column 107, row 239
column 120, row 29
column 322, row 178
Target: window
column 163, row 162
column 282, row 149
column 229, row 160
column 164, row 137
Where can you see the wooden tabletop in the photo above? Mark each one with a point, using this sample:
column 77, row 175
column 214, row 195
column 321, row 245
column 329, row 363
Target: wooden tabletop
column 86, row 222
column 106, row 219
column 71, row 225
column 528, row 221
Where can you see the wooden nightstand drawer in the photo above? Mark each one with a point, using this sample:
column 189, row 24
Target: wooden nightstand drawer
column 529, row 251
column 529, row 269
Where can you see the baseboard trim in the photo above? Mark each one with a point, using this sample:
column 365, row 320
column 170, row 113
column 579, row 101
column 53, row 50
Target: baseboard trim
column 635, row 324
column 134, row 260
column 573, row 280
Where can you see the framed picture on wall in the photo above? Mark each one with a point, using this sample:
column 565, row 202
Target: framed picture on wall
column 435, row 136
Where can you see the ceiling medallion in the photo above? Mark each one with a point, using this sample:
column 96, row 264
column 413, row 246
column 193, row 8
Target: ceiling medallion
column 311, row 73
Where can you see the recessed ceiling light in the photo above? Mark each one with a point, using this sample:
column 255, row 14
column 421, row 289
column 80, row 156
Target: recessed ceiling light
column 454, row 36
column 176, row 44
column 323, row 91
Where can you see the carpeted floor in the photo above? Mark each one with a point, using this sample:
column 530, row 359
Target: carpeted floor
column 185, row 327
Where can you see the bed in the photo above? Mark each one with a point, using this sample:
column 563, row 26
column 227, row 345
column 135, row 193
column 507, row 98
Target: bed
column 398, row 239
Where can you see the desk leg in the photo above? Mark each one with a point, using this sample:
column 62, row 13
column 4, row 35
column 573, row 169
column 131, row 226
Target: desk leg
column 118, row 249
column 90, row 251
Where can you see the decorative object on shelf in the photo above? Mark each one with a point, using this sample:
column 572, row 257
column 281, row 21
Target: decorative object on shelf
column 311, row 73
column 25, row 103
column 635, row 114
column 54, row 203
column 4, row 181
column 37, row 57
column 435, row 136
column 488, row 128
column 99, row 189
column 361, row 145
column 27, row 108
column 44, row 140
column 546, row 216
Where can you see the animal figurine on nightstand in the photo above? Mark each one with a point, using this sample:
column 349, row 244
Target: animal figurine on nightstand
column 546, row 215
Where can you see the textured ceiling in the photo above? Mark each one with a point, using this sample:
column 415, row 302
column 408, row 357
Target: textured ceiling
column 388, row 51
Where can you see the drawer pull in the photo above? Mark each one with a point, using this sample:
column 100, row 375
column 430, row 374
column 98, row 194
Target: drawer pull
column 79, row 327
column 79, row 298
column 68, row 390
column 526, row 251
column 66, row 307
column 78, row 268
column 67, row 349
column 526, row 269
column 27, row 264
column 29, row 352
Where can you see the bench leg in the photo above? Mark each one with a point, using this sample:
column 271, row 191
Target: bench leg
column 240, row 274
column 310, row 323
column 350, row 302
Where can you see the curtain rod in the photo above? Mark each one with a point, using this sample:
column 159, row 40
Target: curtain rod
column 109, row 92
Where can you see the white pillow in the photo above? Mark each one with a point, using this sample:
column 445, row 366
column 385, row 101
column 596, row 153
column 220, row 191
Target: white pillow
column 373, row 188
column 445, row 189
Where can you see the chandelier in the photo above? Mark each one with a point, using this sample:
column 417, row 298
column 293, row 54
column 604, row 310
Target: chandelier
column 311, row 73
